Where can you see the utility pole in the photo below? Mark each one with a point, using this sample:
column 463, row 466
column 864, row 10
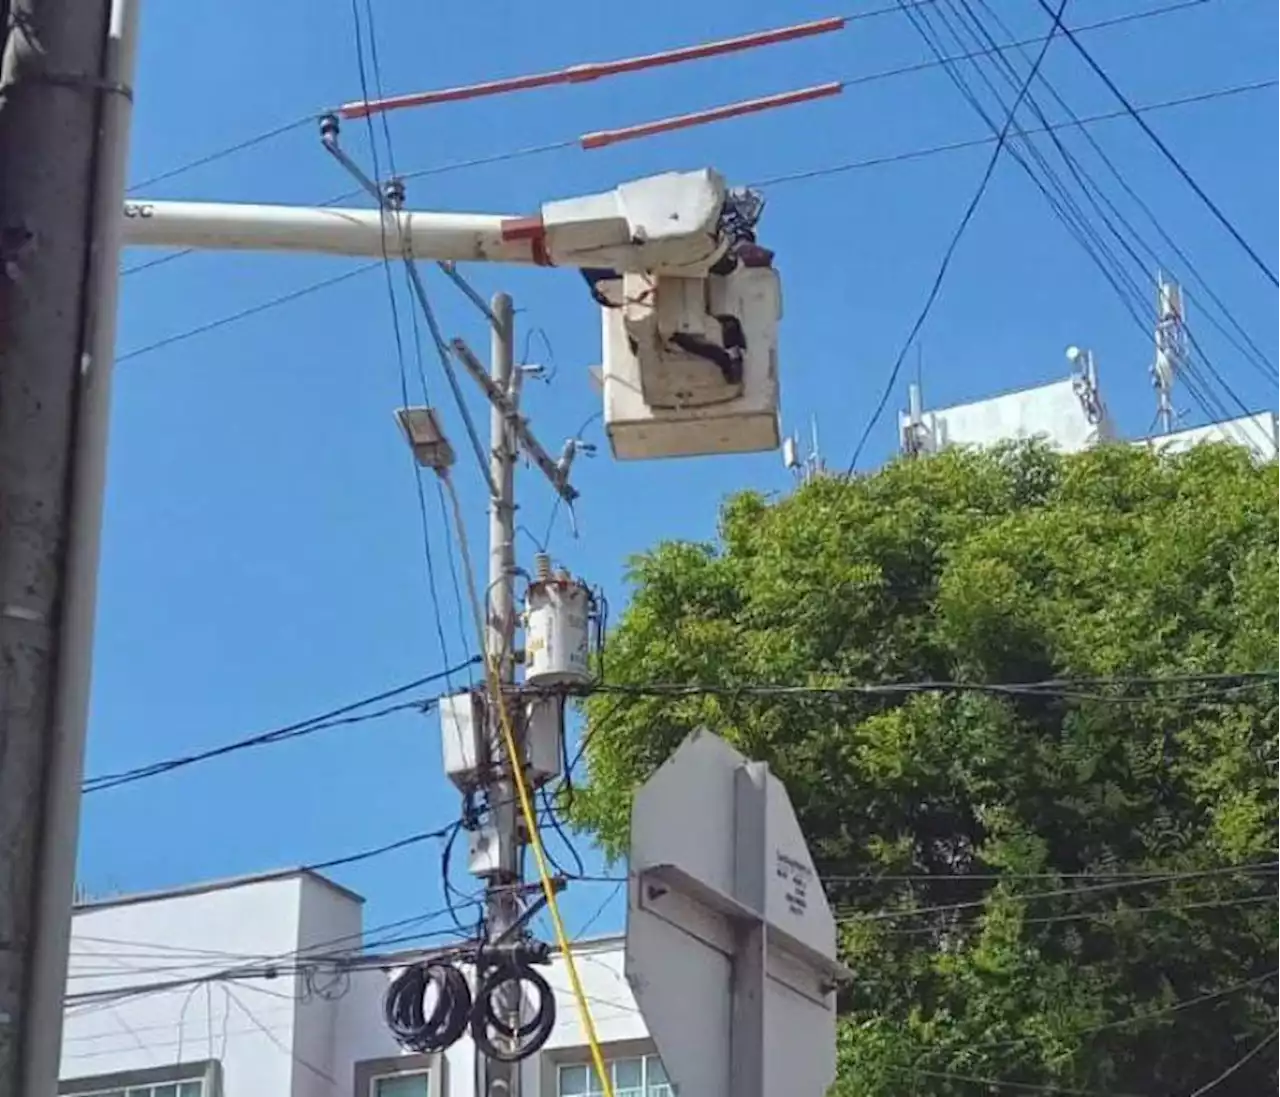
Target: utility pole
column 65, row 98
column 502, row 903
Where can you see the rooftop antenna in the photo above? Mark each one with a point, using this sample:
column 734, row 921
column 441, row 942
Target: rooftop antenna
column 914, row 433
column 805, row 468
column 814, row 466
column 1171, row 348
column 1084, row 381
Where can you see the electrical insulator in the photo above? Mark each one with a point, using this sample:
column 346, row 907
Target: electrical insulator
column 557, row 629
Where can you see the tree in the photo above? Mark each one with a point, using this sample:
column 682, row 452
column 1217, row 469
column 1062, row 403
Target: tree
column 1068, row 888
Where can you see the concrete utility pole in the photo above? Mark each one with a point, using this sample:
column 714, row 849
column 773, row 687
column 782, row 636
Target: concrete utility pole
column 65, row 101
column 502, row 904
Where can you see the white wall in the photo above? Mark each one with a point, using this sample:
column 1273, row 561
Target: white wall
column 141, row 945
column 1256, row 432
column 328, row 921
column 286, row 1035
column 1051, row 411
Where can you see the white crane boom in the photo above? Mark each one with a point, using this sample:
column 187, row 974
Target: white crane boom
column 665, row 224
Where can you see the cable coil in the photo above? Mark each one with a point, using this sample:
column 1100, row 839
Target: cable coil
column 405, row 1006
column 520, row 1038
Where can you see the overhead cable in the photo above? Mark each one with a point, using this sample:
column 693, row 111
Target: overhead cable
column 954, row 243
column 800, row 176
column 1062, row 893
column 1136, row 115
column 510, row 744
column 309, row 119
column 1243, row 343
column 338, row 717
column 1257, row 1050
column 1068, row 688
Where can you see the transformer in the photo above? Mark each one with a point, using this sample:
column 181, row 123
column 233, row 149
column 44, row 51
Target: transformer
column 557, row 629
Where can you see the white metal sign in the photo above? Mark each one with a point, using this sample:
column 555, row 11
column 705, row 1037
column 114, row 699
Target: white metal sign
column 730, row 942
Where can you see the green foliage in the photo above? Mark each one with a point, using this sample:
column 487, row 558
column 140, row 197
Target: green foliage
column 1012, row 813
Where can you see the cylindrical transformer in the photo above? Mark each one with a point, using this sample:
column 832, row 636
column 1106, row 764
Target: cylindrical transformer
column 557, row 632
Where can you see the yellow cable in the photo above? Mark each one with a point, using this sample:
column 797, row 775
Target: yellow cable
column 526, row 804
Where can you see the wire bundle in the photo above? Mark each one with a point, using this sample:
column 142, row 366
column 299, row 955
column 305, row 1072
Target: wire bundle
column 520, row 1038
column 429, row 1005
column 405, row 1006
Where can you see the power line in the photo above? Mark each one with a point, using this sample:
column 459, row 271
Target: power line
column 576, row 142
column 222, row 153
column 310, row 118
column 244, row 314
column 774, row 181
column 306, row 119
column 1248, row 349
column 953, row 244
column 1165, row 151
column 1068, row 688
column 1212, row 687
column 344, row 715
column 1244, row 1059
column 1138, row 1018
column 1060, row 893
column 978, row 142
column 1001, row 1083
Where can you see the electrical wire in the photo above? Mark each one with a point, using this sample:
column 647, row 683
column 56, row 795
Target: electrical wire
column 978, row 142
column 223, row 153
column 1000, row 1083
column 1138, row 1018
column 1208, row 1087
column 392, row 297
column 246, row 313
column 576, row 142
column 550, row 814
column 1063, row 893
column 404, row 1006
column 1093, row 192
column 338, row 717
column 1244, row 344
column 307, row 119
column 801, row 176
column 1212, row 685
column 526, row 807
column 954, row 243
column 1165, row 151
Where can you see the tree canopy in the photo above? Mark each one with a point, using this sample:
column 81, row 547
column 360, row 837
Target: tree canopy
column 1071, row 888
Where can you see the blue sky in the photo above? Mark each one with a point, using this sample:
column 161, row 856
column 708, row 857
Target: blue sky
column 262, row 556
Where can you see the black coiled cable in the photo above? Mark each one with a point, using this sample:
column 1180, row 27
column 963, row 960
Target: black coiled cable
column 523, row 1038
column 405, row 1006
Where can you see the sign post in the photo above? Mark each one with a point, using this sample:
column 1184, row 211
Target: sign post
column 730, row 943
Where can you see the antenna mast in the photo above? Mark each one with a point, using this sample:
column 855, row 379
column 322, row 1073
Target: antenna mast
column 1171, row 348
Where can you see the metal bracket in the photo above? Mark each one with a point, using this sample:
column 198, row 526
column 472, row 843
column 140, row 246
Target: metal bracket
column 660, row 881
column 77, row 81
column 499, row 399
column 558, row 884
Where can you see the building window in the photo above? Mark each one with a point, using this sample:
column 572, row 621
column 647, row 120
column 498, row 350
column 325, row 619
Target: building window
column 401, row 1076
column 417, row 1084
column 194, row 1088
column 637, row 1076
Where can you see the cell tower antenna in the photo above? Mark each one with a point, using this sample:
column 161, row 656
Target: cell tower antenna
column 1171, row 348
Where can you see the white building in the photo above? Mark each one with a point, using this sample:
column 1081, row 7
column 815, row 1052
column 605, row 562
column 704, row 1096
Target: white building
column 1070, row 415
column 1067, row 414
column 156, row 1006
column 1257, row 433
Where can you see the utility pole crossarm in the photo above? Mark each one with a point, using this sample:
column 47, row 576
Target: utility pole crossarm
column 518, row 425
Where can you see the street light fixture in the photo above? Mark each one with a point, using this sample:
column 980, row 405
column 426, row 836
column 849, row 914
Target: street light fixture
column 431, row 449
